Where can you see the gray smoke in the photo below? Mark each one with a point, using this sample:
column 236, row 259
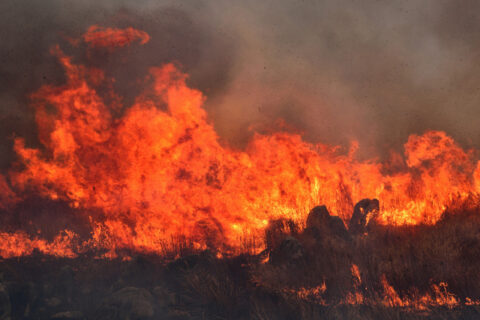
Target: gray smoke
column 335, row 70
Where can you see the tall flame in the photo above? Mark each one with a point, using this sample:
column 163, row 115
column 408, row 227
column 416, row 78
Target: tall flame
column 159, row 172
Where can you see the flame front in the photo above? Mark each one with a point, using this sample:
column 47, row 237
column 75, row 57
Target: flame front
column 159, row 172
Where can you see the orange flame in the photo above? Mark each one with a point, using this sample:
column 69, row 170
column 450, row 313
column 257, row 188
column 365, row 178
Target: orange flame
column 159, row 171
column 19, row 244
column 439, row 297
column 97, row 36
column 7, row 196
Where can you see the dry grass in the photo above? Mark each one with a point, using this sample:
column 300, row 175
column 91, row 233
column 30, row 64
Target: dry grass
column 312, row 279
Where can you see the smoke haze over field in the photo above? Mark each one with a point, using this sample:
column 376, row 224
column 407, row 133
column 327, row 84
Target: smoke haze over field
column 335, row 70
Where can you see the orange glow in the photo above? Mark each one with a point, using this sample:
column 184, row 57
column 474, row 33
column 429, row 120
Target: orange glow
column 97, row 36
column 439, row 296
column 158, row 172
column 7, row 196
column 19, row 244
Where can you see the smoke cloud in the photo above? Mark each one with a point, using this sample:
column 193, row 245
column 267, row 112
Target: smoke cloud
column 335, row 70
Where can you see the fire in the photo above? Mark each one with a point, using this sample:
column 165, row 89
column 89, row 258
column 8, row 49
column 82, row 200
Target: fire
column 97, row 36
column 439, row 297
column 19, row 244
column 7, row 196
column 159, row 172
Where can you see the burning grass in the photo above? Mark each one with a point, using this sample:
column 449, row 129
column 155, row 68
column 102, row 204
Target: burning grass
column 389, row 272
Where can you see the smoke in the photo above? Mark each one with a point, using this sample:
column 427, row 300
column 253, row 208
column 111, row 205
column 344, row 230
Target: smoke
column 366, row 70
column 335, row 70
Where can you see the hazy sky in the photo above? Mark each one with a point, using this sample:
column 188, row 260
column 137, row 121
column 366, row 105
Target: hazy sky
column 336, row 70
